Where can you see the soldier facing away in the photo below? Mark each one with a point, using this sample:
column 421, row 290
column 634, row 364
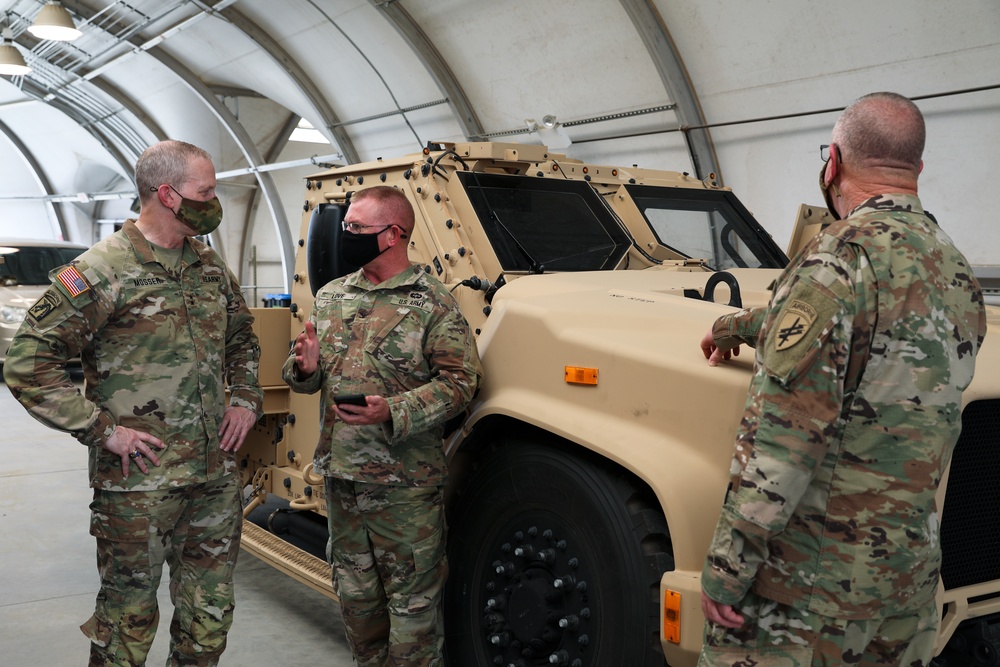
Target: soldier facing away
column 395, row 336
column 827, row 550
column 161, row 326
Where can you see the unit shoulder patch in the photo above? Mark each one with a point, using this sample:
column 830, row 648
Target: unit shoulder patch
column 799, row 330
column 796, row 321
column 47, row 304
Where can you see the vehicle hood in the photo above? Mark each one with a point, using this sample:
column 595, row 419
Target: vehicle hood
column 22, row 296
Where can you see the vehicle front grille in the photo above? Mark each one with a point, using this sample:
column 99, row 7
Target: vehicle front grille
column 970, row 529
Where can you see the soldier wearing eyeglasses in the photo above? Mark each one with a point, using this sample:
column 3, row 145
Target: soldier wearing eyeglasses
column 828, row 550
column 393, row 359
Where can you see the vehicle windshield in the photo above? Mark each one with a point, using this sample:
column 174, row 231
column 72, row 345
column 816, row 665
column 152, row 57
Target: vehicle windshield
column 539, row 224
column 707, row 224
column 30, row 265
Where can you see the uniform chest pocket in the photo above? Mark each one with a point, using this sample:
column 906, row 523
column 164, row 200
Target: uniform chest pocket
column 210, row 310
column 397, row 345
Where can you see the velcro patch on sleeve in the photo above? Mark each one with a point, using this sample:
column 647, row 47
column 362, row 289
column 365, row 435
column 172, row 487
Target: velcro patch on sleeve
column 74, row 283
column 47, row 304
column 799, row 330
column 797, row 319
column 51, row 310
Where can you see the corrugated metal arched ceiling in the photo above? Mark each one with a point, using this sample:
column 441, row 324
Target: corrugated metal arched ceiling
column 383, row 77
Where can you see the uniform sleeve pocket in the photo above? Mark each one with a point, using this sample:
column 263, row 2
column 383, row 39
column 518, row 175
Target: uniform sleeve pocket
column 798, row 333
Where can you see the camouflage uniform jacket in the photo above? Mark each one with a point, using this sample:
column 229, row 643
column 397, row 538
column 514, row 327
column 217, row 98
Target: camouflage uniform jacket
column 404, row 339
column 853, row 412
column 156, row 349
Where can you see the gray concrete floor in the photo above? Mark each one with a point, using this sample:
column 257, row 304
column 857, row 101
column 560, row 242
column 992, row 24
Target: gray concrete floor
column 48, row 573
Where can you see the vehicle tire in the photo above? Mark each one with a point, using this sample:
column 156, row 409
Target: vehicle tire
column 553, row 555
column 323, row 261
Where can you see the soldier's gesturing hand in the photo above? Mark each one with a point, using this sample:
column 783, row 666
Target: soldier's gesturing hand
column 132, row 445
column 307, row 350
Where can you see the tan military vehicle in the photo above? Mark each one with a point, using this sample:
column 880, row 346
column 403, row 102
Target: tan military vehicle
column 24, row 275
column 587, row 475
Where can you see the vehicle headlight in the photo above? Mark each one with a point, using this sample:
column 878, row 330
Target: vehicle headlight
column 12, row 314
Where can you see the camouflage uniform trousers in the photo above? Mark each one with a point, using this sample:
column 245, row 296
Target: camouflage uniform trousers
column 387, row 548
column 195, row 529
column 775, row 634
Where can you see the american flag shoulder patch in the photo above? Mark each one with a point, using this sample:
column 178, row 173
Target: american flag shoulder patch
column 74, row 282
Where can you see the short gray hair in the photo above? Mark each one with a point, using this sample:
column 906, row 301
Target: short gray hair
column 165, row 162
column 881, row 130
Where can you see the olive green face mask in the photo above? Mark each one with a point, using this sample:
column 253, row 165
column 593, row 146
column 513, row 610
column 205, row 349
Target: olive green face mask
column 204, row 217
column 828, row 192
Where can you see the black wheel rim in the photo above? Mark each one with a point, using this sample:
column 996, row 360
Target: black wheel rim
column 536, row 607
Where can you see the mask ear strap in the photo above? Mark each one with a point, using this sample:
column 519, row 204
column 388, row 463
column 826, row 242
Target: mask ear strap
column 399, row 231
column 162, row 197
column 835, row 162
column 829, row 189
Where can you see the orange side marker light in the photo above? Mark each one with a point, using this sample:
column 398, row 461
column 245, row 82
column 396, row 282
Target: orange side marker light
column 672, row 616
column 581, row 375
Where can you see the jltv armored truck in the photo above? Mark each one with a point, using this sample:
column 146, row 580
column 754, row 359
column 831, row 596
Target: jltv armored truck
column 24, row 276
column 587, row 475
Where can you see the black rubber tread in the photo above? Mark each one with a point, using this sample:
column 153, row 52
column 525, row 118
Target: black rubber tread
column 604, row 519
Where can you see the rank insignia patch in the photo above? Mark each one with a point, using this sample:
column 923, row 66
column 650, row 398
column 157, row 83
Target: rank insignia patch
column 796, row 320
column 73, row 281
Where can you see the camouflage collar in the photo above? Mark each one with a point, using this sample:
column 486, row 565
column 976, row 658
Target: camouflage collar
column 144, row 250
column 410, row 276
column 890, row 202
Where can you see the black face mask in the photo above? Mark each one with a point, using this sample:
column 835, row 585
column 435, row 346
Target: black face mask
column 359, row 249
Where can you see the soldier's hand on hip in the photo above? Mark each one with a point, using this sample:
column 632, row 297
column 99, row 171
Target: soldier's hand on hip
column 236, row 423
column 133, row 447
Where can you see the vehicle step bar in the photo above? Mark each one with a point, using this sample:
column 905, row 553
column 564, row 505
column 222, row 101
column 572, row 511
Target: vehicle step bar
column 310, row 570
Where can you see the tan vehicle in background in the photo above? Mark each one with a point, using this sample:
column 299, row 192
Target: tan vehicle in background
column 588, row 473
column 24, row 275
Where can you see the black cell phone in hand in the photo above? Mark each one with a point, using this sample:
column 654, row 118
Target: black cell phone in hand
column 350, row 399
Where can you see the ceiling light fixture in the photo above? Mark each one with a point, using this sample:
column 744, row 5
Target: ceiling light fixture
column 54, row 23
column 551, row 132
column 11, row 61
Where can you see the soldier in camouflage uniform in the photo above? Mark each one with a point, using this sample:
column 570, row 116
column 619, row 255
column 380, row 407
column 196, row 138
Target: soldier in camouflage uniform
column 160, row 325
column 827, row 550
column 394, row 335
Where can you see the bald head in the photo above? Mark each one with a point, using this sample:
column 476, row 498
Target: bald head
column 881, row 131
